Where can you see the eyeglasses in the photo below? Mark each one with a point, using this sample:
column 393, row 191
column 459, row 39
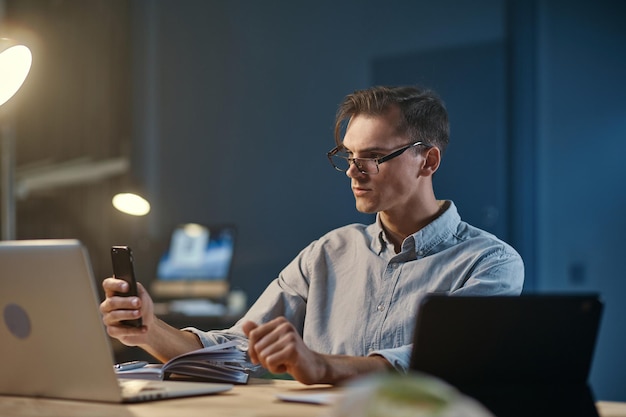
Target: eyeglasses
column 341, row 160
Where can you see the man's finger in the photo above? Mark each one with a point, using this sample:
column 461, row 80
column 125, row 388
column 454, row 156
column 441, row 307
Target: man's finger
column 248, row 327
column 113, row 285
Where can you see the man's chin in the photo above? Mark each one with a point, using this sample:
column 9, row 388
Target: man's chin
column 366, row 209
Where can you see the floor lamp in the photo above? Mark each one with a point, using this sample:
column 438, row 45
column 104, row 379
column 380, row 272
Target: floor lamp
column 15, row 62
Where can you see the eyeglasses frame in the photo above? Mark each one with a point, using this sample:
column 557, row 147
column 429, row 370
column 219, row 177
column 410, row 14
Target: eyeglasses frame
column 377, row 161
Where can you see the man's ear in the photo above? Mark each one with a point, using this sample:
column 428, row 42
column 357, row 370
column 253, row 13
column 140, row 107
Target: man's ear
column 432, row 159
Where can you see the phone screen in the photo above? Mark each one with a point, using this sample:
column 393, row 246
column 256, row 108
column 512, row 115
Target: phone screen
column 122, row 259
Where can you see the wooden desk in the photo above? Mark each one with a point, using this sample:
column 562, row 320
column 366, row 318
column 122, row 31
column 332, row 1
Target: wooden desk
column 611, row 409
column 258, row 399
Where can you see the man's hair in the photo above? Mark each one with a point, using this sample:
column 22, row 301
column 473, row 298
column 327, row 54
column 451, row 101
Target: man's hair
column 425, row 118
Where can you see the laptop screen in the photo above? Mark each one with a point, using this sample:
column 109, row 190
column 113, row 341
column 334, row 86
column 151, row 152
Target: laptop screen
column 197, row 263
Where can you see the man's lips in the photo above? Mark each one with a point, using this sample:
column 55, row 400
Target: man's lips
column 358, row 191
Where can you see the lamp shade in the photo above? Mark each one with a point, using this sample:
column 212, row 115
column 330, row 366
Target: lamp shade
column 15, row 61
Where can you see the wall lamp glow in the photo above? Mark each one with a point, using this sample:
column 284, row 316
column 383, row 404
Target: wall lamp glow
column 132, row 204
column 15, row 61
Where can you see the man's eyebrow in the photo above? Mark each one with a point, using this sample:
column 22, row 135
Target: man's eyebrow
column 366, row 150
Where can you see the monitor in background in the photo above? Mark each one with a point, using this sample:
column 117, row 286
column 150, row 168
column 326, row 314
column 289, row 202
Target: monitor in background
column 197, row 263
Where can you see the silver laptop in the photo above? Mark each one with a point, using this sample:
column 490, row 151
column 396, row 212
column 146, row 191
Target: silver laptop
column 52, row 340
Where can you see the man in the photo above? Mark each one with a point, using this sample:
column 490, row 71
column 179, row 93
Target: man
column 345, row 306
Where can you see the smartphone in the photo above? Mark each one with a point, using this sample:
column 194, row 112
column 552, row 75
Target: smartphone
column 122, row 259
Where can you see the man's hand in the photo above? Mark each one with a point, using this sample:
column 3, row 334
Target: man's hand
column 279, row 348
column 116, row 308
column 155, row 336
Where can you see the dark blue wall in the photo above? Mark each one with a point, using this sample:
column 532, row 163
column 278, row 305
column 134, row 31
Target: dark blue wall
column 581, row 143
column 235, row 103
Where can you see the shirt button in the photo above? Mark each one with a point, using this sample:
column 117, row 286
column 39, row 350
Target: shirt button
column 380, row 307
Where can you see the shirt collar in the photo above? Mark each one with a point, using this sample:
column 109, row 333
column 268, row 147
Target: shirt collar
column 423, row 240
column 378, row 242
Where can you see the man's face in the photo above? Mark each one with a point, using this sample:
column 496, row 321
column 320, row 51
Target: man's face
column 395, row 185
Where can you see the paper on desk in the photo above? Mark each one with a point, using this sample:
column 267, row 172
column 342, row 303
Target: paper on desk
column 326, row 398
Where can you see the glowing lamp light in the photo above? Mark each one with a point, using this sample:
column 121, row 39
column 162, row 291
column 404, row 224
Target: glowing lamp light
column 194, row 230
column 15, row 62
column 132, row 204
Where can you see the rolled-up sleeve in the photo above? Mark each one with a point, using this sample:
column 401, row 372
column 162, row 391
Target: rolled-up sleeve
column 399, row 357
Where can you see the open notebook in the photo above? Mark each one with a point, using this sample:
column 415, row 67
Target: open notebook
column 519, row 356
column 53, row 341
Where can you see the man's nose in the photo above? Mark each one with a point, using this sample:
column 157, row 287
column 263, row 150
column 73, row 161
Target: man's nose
column 353, row 171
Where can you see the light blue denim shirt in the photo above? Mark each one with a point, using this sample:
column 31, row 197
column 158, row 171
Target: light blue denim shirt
column 349, row 292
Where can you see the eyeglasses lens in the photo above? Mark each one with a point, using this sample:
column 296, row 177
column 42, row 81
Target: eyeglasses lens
column 342, row 162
